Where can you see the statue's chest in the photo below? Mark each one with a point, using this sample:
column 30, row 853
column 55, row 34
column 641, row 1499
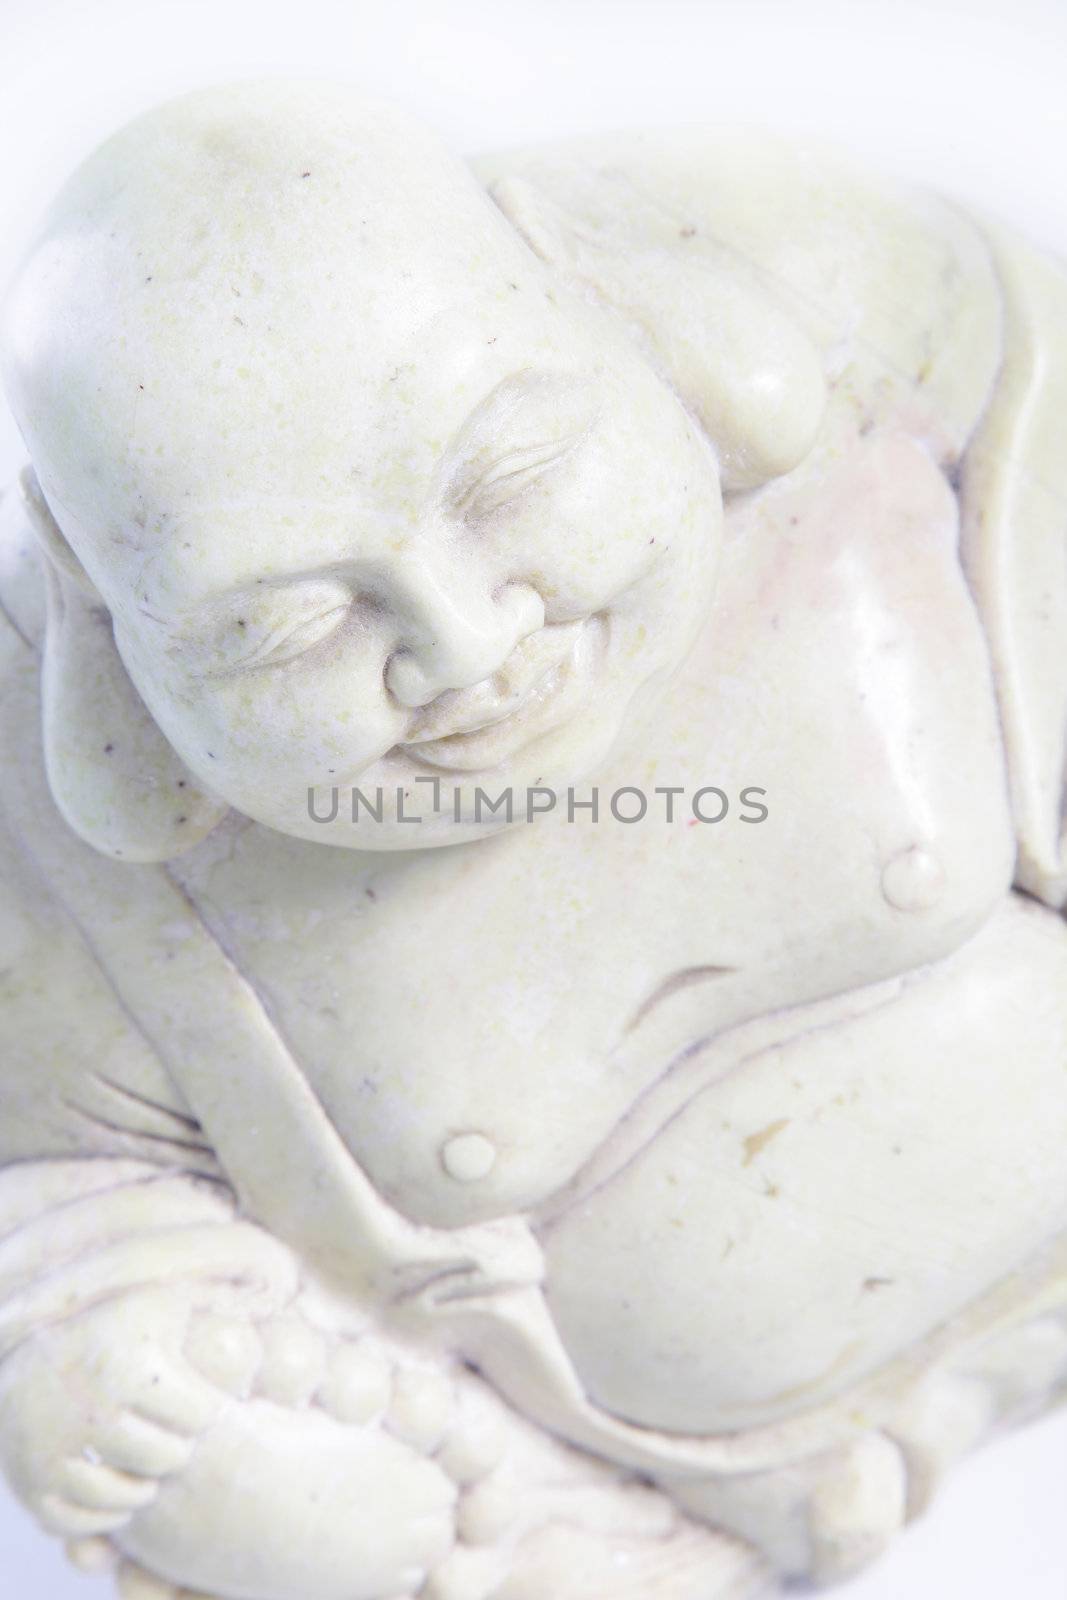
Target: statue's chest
column 477, row 1020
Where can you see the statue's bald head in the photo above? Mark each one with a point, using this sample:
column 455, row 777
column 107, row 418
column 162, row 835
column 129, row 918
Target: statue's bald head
column 332, row 445
column 241, row 253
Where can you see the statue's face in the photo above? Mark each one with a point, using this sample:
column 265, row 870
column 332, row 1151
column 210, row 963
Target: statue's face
column 442, row 522
column 525, row 545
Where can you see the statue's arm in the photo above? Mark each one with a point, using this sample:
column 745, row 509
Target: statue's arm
column 117, row 1231
column 1014, row 551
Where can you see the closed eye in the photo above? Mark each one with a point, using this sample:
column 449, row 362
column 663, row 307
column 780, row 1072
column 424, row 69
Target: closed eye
column 478, row 494
column 287, row 644
column 525, row 428
column 284, row 643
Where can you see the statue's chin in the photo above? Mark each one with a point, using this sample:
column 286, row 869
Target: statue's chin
column 356, row 827
column 402, row 801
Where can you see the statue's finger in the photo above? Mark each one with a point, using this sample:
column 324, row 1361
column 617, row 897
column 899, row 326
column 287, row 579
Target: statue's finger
column 92, row 1556
column 98, row 1487
column 61, row 1516
column 133, row 1444
column 179, row 1399
column 134, row 1583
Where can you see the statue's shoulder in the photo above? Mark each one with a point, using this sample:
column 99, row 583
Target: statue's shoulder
column 824, row 224
column 22, row 590
column 1014, row 550
column 77, row 1077
column 894, row 286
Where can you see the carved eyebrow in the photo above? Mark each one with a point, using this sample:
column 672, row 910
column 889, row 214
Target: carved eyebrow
column 223, row 605
column 234, row 512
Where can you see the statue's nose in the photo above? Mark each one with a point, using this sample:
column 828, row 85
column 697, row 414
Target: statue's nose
column 454, row 636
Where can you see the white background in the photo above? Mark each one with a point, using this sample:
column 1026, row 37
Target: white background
column 964, row 94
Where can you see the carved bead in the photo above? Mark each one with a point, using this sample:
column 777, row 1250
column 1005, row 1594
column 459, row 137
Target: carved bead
column 357, row 1385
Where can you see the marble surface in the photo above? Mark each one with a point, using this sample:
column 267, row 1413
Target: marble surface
column 476, row 1187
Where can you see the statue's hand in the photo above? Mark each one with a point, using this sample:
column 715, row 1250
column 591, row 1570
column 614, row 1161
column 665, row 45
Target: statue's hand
column 96, row 1410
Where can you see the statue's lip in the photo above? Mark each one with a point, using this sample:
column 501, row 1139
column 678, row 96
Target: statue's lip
column 459, row 712
column 514, row 721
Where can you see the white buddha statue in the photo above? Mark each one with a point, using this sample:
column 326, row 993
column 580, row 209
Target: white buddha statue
column 535, row 996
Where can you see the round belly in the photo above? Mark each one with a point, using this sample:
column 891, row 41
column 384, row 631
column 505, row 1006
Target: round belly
column 832, row 1201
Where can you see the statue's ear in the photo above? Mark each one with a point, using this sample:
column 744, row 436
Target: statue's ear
column 736, row 357
column 112, row 774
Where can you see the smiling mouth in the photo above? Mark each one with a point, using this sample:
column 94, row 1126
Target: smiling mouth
column 538, row 688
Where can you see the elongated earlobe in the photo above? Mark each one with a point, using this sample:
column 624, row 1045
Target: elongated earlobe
column 112, row 774
column 738, row 360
